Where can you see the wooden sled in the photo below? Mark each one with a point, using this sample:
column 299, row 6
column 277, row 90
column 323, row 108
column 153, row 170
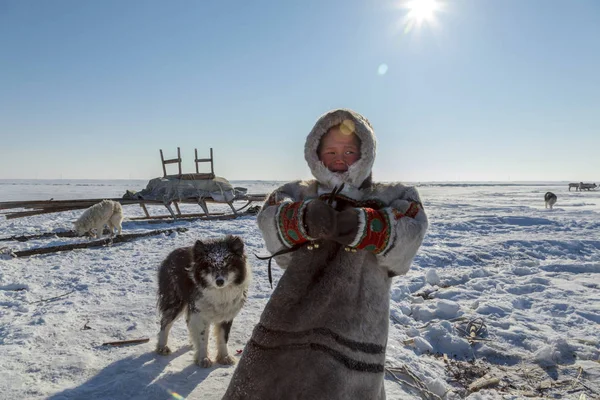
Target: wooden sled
column 38, row 207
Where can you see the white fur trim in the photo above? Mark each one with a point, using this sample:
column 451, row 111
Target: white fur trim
column 301, row 226
column 362, row 226
column 357, row 172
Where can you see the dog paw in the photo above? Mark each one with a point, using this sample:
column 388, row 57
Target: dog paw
column 164, row 350
column 226, row 360
column 204, row 362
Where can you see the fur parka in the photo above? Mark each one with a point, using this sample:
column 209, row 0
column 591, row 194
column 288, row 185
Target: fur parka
column 323, row 333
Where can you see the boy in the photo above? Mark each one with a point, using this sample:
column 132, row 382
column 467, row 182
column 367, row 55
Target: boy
column 324, row 331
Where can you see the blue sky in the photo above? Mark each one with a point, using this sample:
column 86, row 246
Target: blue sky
column 494, row 90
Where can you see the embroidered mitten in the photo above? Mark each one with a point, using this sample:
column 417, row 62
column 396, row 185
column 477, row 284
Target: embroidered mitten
column 320, row 219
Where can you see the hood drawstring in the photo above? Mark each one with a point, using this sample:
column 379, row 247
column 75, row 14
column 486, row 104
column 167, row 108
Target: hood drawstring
column 330, row 200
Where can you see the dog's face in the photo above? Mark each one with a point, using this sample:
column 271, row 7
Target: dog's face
column 220, row 263
column 79, row 229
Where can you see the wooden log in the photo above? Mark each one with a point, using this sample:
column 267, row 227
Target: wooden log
column 179, row 157
column 482, row 383
column 145, row 210
column 162, row 160
column 52, row 298
column 21, row 214
column 177, row 208
column 25, row 238
column 96, row 243
column 68, row 203
column 47, row 204
column 189, row 217
column 126, row 342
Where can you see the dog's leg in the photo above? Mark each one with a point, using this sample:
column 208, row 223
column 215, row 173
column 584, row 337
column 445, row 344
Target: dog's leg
column 222, row 332
column 115, row 220
column 166, row 322
column 99, row 231
column 111, row 229
column 198, row 329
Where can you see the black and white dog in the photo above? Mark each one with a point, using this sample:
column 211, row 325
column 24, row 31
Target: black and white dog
column 550, row 199
column 209, row 281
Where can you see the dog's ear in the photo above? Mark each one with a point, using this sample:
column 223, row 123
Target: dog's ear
column 236, row 245
column 199, row 249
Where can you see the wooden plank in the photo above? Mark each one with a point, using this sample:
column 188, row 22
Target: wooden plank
column 199, row 160
column 145, row 210
column 162, row 159
column 192, row 177
column 25, row 238
column 95, row 243
column 172, row 161
column 38, row 207
column 46, row 204
column 68, row 203
column 185, row 217
column 21, row 214
column 126, row 342
column 179, row 157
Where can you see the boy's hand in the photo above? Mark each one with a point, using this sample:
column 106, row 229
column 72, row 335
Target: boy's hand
column 346, row 226
column 320, row 219
column 323, row 222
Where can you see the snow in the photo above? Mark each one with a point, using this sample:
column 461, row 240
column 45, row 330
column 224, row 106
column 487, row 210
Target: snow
column 493, row 254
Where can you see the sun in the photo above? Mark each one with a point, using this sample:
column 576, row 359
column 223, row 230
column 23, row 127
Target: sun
column 420, row 12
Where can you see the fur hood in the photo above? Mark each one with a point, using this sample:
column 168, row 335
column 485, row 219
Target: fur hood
column 359, row 171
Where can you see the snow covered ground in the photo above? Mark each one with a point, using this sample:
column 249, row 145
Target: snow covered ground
column 493, row 254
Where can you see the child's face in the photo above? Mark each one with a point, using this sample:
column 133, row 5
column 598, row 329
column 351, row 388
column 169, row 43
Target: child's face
column 339, row 150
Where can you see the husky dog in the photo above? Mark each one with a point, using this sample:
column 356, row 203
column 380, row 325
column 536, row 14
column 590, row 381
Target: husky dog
column 209, row 281
column 550, row 199
column 107, row 212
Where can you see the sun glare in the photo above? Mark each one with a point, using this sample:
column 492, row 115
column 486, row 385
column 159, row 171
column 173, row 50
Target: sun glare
column 420, row 12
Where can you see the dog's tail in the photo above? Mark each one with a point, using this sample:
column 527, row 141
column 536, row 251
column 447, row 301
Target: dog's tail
column 117, row 208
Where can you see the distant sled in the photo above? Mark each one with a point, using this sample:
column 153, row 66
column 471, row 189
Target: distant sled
column 581, row 186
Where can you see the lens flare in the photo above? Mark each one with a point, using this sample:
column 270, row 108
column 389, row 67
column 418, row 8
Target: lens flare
column 347, row 127
column 176, row 396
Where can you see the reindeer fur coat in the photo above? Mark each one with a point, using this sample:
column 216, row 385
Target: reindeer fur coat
column 323, row 333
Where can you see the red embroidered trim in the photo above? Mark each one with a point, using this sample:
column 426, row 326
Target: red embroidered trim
column 289, row 223
column 376, row 232
column 413, row 210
